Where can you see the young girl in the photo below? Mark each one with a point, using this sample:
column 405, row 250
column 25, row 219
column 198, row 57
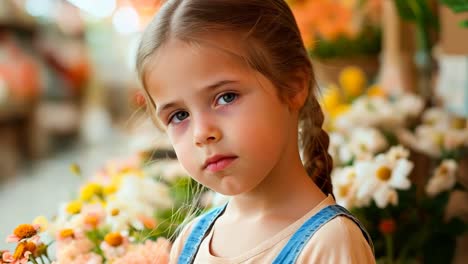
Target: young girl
column 231, row 83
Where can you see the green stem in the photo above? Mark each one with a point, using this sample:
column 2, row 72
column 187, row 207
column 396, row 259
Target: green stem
column 389, row 247
column 33, row 260
column 42, row 260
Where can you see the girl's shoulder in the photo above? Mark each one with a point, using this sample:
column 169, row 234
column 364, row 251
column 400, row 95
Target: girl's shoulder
column 186, row 230
column 338, row 241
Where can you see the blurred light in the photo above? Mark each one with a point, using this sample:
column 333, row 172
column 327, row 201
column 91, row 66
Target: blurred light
column 99, row 9
column 126, row 20
column 39, row 8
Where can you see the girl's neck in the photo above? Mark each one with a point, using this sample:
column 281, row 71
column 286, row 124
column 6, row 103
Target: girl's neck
column 287, row 190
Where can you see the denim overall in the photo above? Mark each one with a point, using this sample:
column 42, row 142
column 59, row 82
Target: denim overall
column 290, row 252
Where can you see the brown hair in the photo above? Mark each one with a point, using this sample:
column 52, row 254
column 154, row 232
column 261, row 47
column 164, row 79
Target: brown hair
column 273, row 46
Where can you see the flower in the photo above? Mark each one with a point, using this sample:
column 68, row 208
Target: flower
column 151, row 252
column 375, row 91
column 24, row 231
column 387, row 226
column 365, row 142
column 353, row 81
column 380, row 177
column 74, row 207
column 74, row 248
column 42, row 222
column 114, row 245
column 21, row 254
column 90, row 190
column 444, row 178
column 345, row 186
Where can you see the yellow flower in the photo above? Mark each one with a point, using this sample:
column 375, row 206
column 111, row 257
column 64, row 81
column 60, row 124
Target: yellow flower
column 375, row 91
column 331, row 97
column 110, row 189
column 339, row 110
column 89, row 190
column 42, row 222
column 352, row 80
column 74, row 207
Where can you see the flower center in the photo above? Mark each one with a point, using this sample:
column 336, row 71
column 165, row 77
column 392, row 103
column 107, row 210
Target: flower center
column 343, row 190
column 25, row 231
column 384, row 173
column 66, row 233
column 115, row 212
column 92, row 220
column 114, row 239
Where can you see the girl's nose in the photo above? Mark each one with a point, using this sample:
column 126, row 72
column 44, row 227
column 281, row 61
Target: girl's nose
column 206, row 132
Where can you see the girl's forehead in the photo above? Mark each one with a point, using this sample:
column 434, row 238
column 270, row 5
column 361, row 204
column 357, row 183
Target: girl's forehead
column 182, row 66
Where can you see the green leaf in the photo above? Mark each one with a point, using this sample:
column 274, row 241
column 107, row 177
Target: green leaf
column 464, row 23
column 457, row 6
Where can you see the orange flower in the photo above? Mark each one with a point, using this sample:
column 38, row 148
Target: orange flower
column 23, row 231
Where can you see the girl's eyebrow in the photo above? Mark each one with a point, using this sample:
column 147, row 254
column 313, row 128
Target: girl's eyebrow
column 211, row 87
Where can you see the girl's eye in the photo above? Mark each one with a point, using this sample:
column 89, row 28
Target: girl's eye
column 227, row 98
column 178, row 117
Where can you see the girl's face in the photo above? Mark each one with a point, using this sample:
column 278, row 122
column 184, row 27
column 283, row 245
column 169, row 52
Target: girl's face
column 226, row 122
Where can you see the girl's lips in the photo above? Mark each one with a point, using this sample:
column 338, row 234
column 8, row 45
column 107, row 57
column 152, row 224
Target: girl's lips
column 219, row 163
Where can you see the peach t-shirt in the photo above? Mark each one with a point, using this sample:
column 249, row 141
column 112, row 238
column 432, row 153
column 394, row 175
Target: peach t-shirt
column 338, row 241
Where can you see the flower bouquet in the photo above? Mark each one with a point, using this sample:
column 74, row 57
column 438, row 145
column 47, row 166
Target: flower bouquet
column 374, row 171
column 128, row 212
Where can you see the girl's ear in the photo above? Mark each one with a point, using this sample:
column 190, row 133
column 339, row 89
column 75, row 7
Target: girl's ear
column 299, row 84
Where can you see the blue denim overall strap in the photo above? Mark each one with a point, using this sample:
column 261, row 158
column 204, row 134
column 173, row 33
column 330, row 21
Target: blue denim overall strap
column 199, row 231
column 293, row 248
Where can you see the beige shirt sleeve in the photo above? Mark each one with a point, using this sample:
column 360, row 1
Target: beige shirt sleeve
column 338, row 241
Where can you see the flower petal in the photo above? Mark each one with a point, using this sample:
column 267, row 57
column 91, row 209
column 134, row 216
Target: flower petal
column 12, row 239
column 400, row 173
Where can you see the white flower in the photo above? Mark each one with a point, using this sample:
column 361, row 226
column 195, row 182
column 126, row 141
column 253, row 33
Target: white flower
column 444, row 178
column 339, row 149
column 144, row 191
column 365, row 142
column 436, row 117
column 344, row 186
column 454, row 139
column 395, row 153
column 409, row 105
column 379, row 179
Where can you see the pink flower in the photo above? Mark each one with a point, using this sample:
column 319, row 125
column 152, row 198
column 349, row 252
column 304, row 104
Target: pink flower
column 10, row 259
column 21, row 254
column 151, row 252
column 24, row 231
column 89, row 258
column 75, row 250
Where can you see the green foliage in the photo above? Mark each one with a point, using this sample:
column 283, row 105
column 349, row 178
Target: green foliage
column 417, row 11
column 458, row 6
column 366, row 43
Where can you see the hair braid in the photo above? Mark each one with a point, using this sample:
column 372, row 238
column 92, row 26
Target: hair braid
column 317, row 162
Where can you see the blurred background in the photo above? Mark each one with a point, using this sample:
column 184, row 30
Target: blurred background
column 68, row 94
